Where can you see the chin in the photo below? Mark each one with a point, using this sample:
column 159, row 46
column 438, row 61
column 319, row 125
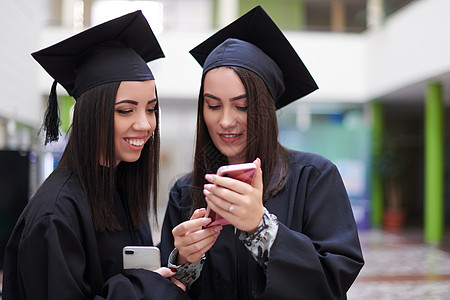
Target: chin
column 130, row 159
column 232, row 156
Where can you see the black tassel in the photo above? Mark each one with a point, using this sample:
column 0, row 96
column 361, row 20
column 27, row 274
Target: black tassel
column 51, row 119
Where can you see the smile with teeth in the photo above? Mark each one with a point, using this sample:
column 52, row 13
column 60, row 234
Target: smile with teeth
column 135, row 142
column 229, row 135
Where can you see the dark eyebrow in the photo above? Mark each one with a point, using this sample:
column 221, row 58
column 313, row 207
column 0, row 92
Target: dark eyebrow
column 232, row 99
column 211, row 96
column 135, row 102
column 239, row 97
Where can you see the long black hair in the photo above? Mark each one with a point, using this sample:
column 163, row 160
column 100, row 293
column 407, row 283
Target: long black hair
column 90, row 154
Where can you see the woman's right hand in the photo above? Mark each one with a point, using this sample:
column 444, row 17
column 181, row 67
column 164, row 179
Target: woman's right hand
column 191, row 240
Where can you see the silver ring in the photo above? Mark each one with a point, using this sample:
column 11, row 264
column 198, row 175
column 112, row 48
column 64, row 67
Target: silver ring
column 230, row 209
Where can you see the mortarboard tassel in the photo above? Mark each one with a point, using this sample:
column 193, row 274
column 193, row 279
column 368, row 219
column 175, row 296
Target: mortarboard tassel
column 51, row 119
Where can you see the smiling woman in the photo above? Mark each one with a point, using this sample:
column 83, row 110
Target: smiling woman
column 68, row 242
column 134, row 118
column 294, row 234
column 225, row 113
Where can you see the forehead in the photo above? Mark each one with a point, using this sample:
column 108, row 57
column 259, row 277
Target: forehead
column 223, row 80
column 137, row 90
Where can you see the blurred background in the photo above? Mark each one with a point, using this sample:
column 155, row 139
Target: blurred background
column 380, row 114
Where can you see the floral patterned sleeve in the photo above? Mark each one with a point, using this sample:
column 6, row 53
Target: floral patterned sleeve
column 188, row 273
column 260, row 242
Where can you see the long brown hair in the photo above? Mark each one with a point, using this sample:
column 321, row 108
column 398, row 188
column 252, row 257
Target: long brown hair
column 91, row 142
column 262, row 140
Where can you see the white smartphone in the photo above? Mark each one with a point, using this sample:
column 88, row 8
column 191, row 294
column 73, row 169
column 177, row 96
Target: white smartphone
column 243, row 172
column 141, row 257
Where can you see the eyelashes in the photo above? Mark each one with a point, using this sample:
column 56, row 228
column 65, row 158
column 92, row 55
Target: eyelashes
column 123, row 112
column 128, row 111
column 213, row 107
column 216, row 107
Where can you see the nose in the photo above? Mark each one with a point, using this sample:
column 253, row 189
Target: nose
column 142, row 122
column 227, row 119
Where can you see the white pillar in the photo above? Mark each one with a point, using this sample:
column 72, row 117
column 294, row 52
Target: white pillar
column 227, row 12
column 72, row 14
column 375, row 14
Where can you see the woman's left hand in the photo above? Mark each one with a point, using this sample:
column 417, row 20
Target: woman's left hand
column 238, row 202
column 168, row 273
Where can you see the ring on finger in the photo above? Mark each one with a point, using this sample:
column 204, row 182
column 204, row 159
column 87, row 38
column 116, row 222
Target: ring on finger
column 230, row 208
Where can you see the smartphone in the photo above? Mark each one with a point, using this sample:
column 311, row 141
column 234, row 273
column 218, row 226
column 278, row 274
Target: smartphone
column 243, row 172
column 141, row 257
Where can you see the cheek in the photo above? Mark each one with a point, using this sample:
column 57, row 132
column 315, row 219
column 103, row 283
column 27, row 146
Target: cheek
column 207, row 118
column 244, row 120
column 210, row 122
column 120, row 125
column 117, row 128
column 152, row 121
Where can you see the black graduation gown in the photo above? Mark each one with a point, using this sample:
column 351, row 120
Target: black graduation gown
column 316, row 253
column 55, row 253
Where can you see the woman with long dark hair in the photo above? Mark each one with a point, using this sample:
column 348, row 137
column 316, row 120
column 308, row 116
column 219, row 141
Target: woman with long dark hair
column 68, row 242
column 292, row 233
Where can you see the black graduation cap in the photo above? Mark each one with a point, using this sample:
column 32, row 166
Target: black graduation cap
column 117, row 50
column 256, row 43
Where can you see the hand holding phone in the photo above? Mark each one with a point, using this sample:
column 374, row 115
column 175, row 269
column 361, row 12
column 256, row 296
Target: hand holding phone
column 243, row 172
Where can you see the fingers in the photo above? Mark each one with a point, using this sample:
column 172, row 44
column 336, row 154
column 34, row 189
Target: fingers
column 191, row 240
column 165, row 272
column 226, row 187
column 238, row 202
column 258, row 179
column 178, row 283
column 190, row 226
column 194, row 252
column 230, row 190
column 257, row 162
column 218, row 195
column 198, row 213
column 221, row 207
column 236, row 184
